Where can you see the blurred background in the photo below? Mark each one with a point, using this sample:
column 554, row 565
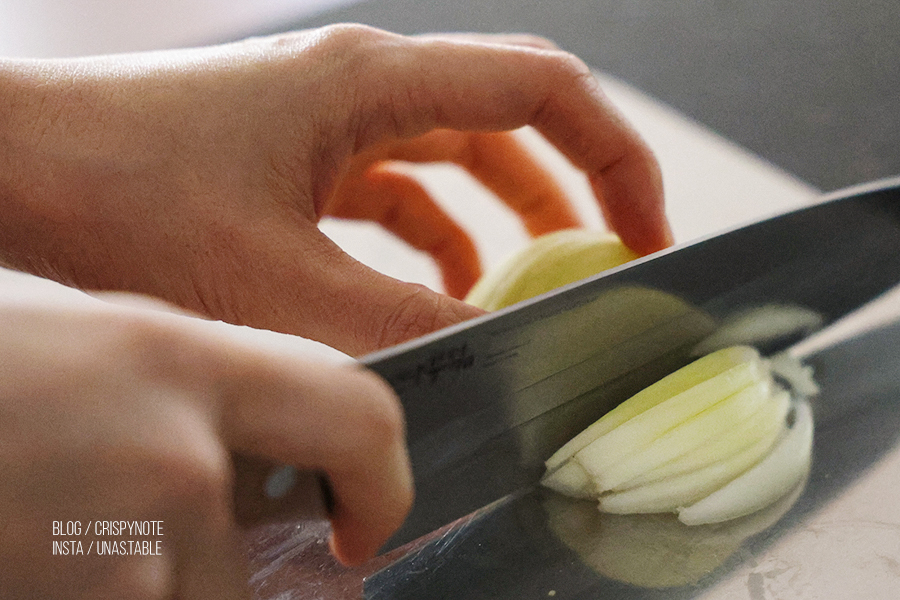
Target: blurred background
column 52, row 28
column 813, row 86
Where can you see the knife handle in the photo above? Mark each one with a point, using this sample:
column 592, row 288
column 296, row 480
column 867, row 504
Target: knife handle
column 268, row 492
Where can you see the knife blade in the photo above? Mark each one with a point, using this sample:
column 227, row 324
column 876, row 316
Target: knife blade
column 487, row 401
column 534, row 540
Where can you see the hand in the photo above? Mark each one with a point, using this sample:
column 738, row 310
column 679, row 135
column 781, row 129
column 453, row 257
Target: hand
column 110, row 413
column 199, row 176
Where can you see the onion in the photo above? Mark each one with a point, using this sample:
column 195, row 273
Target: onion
column 678, row 382
column 710, row 442
column 550, row 261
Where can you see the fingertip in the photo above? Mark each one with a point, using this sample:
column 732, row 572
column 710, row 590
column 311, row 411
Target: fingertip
column 359, row 531
column 632, row 200
column 667, row 237
column 650, row 238
column 353, row 548
column 346, row 556
column 646, row 240
column 357, row 538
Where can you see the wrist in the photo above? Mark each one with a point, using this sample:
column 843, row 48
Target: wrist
column 20, row 100
column 32, row 98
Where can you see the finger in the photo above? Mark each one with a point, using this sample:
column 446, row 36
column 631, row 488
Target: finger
column 341, row 420
column 502, row 163
column 192, row 473
column 506, row 167
column 506, row 39
column 403, row 207
column 488, row 87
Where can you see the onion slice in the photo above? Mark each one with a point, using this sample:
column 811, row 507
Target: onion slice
column 642, row 430
column 694, row 433
column 772, row 478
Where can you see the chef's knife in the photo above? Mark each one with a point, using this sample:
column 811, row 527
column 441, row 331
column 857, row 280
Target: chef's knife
column 488, row 400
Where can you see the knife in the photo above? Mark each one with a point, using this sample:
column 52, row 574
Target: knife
column 488, row 400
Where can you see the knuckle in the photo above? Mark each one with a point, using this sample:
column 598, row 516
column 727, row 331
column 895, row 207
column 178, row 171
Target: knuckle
column 338, row 37
column 161, row 350
column 568, row 67
column 565, row 76
column 418, row 313
column 343, row 53
column 356, row 60
column 189, row 462
column 535, row 41
column 383, row 415
column 346, row 35
column 196, row 478
column 350, row 48
column 147, row 339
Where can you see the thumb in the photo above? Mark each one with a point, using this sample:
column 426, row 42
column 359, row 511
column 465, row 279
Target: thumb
column 330, row 297
column 380, row 311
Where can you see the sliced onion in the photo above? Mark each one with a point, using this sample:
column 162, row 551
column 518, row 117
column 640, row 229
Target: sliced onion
column 668, row 495
column 680, row 381
column 710, row 442
column 643, row 429
column 769, row 480
column 696, row 432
